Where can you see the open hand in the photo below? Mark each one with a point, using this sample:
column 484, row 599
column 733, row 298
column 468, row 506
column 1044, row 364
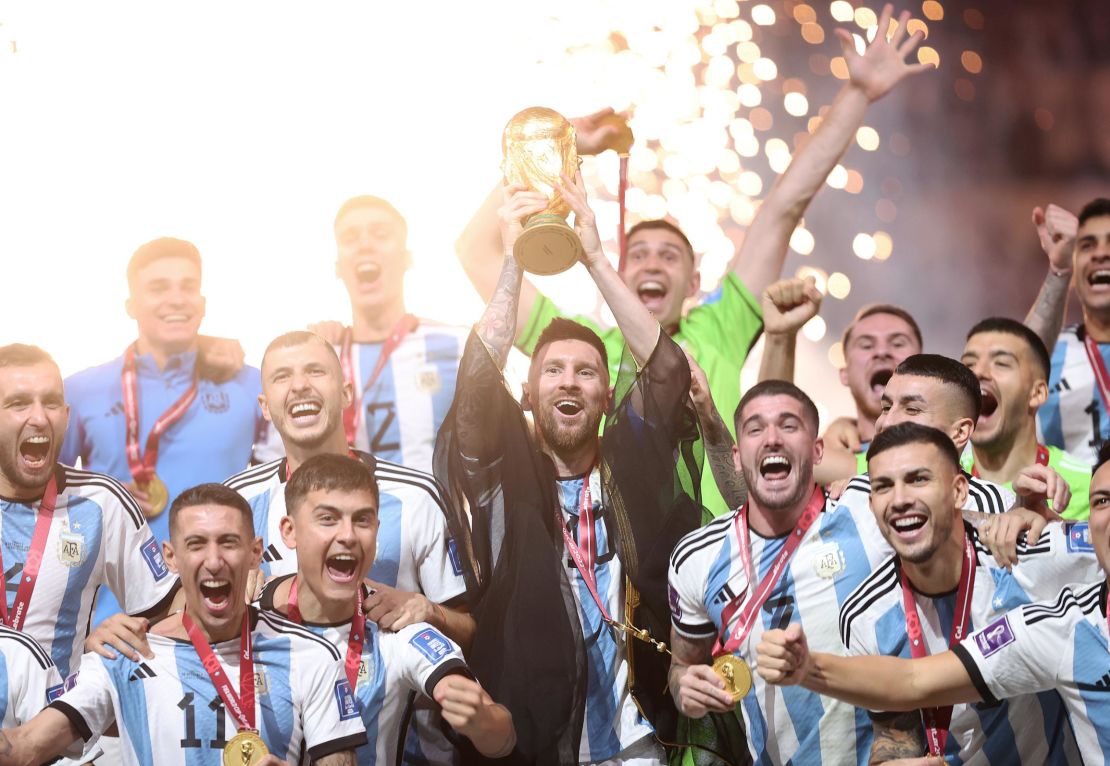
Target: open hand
column 883, row 64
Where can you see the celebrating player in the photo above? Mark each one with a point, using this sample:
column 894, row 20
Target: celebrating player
column 661, row 267
column 938, row 587
column 1012, row 366
column 558, row 506
column 195, row 701
column 332, row 523
column 1060, row 643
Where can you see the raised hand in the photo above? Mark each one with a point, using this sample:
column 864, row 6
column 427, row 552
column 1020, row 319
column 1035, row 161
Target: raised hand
column 1038, row 485
column 1057, row 229
column 518, row 203
column 788, row 304
column 585, row 222
column 594, row 131
column 883, row 65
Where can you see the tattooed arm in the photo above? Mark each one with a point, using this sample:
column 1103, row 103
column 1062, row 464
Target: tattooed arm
column 696, row 689
column 1057, row 230
column 896, row 735
column 719, row 444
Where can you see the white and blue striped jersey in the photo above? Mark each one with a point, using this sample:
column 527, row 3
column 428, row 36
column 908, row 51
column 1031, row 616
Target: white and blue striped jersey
column 28, row 678
column 415, row 551
column 1059, row 643
column 1074, row 417
column 393, row 667
column 785, row 724
column 611, row 722
column 98, row 536
column 983, row 496
column 1027, row 729
column 170, row 714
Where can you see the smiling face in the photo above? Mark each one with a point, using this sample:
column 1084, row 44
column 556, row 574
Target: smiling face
column 372, row 257
column 33, row 419
column 1092, row 264
column 303, row 393
column 777, row 448
column 568, row 391
column 1012, row 386
column 927, row 401
column 876, row 345
column 916, row 496
column 166, row 303
column 213, row 548
column 660, row 270
column 1100, row 515
column 335, row 534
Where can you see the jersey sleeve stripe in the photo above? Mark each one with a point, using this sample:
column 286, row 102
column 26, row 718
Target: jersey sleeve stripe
column 256, row 475
column 714, row 530
column 704, row 630
column 880, row 582
column 324, row 749
column 1034, row 613
column 163, row 603
column 75, row 718
column 30, row 644
column 453, row 666
column 76, row 478
column 681, row 554
column 281, row 625
column 987, row 497
column 974, row 674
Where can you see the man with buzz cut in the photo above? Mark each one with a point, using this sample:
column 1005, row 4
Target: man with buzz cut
column 940, row 585
column 661, row 267
column 1013, row 368
column 1059, row 644
column 227, row 683
column 332, row 523
column 417, row 576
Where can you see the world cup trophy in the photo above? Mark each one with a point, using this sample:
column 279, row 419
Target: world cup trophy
column 538, row 144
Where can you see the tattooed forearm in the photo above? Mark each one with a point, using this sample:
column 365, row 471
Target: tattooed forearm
column 497, row 327
column 897, row 736
column 718, row 453
column 1046, row 316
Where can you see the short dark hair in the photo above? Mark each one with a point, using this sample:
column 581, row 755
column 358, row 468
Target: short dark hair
column 665, row 225
column 561, row 328
column 156, row 250
column 370, row 202
column 298, row 338
column 23, row 355
column 1013, row 327
column 331, row 473
column 1103, row 457
column 778, row 388
column 949, row 371
column 881, row 308
column 901, row 434
column 210, row 494
column 1096, row 208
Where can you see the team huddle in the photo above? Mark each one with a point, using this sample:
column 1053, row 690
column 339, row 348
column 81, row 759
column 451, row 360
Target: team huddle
column 371, row 550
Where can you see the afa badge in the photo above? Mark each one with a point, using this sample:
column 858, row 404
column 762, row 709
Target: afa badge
column 828, row 561
column 71, row 549
column 427, row 379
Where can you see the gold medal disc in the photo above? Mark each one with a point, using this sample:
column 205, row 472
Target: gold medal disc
column 245, row 749
column 157, row 495
column 735, row 673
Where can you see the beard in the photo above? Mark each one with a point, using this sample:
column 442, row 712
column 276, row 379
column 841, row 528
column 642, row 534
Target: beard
column 10, row 470
column 784, row 500
column 562, row 438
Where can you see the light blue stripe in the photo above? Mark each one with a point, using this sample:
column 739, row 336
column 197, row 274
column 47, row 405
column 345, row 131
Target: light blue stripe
column 1089, row 666
column 86, row 518
column 4, row 687
column 1051, row 422
column 132, row 708
column 384, row 392
column 390, row 520
column 442, row 350
column 260, row 510
column 276, row 705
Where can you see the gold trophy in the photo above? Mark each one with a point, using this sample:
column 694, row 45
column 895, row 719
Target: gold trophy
column 538, row 145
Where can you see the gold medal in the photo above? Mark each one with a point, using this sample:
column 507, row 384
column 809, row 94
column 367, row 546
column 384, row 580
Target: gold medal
column 245, row 749
column 157, row 495
column 735, row 673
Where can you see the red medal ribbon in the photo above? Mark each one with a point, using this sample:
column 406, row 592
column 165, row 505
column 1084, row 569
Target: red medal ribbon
column 404, row 326
column 355, row 641
column 241, row 705
column 1042, row 459
column 142, row 464
column 622, row 190
column 748, row 615
column 30, row 574
column 1098, row 366
column 937, row 719
column 584, row 552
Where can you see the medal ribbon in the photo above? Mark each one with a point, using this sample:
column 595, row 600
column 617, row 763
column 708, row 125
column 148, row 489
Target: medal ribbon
column 622, row 190
column 404, row 326
column 142, row 464
column 1098, row 366
column 355, row 641
column 1042, row 459
column 937, row 719
column 746, row 621
column 30, row 574
column 241, row 705
column 584, row 552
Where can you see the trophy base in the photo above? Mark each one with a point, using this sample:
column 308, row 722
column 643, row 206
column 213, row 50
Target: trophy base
column 547, row 246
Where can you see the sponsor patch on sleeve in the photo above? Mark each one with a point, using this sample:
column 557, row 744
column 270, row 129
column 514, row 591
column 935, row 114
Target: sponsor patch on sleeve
column 71, row 680
column 345, row 700
column 432, row 644
column 152, row 555
column 672, row 598
column 453, row 554
column 1079, row 537
column 53, row 692
column 995, row 636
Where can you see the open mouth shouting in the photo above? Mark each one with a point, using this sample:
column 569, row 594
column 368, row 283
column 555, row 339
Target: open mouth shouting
column 1099, row 280
column 569, row 408
column 216, row 594
column 908, row 527
column 342, row 568
column 990, row 406
column 653, row 294
column 305, row 412
column 34, row 452
column 775, row 468
column 367, row 273
column 879, row 378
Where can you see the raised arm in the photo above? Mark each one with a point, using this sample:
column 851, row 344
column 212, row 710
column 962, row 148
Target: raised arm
column 641, row 331
column 40, row 740
column 759, row 261
column 719, row 444
column 1057, row 229
column 787, row 305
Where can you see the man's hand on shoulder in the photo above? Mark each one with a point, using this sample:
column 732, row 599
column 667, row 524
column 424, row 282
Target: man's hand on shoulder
column 219, row 359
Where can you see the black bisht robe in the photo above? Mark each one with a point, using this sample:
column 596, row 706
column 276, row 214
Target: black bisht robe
column 528, row 651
